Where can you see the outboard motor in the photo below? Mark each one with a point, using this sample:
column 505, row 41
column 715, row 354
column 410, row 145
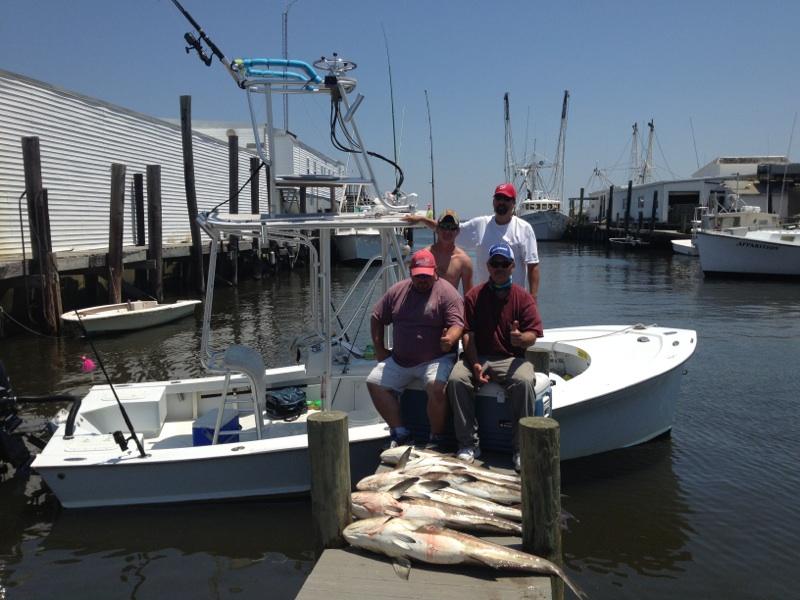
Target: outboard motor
column 12, row 448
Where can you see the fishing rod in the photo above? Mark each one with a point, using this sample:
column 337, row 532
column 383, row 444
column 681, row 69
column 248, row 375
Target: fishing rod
column 197, row 44
column 119, row 438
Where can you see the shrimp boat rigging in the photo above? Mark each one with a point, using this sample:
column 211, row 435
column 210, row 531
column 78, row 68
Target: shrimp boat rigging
column 234, row 434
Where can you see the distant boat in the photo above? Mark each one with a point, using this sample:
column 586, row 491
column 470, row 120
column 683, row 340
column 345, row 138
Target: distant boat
column 545, row 216
column 742, row 251
column 685, row 247
column 130, row 315
column 628, row 242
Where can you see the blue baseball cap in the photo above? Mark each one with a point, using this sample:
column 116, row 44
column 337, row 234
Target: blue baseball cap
column 501, row 249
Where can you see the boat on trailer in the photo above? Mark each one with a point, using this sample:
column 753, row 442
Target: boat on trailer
column 127, row 316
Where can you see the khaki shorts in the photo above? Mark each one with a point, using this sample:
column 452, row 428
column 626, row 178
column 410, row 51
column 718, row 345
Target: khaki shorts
column 388, row 374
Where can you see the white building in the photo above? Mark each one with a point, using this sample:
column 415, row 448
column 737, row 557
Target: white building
column 771, row 183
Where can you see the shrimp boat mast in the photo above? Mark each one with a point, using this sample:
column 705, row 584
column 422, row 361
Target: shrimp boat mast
column 241, row 431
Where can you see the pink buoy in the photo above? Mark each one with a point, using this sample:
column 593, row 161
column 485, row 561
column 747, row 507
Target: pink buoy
column 87, row 364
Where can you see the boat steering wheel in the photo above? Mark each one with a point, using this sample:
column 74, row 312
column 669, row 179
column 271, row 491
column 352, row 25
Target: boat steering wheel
column 335, row 66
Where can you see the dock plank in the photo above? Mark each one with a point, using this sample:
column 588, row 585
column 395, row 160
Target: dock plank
column 352, row 573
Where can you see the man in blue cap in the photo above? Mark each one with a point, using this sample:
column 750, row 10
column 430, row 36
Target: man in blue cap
column 501, row 321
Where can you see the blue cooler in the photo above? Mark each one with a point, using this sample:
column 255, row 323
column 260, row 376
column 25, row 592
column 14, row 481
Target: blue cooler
column 203, row 427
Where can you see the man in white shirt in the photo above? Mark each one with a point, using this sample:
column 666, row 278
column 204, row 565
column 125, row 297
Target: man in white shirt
column 481, row 233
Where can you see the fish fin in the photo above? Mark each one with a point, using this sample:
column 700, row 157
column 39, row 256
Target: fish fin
column 401, row 464
column 397, row 490
column 394, row 511
column 402, row 566
column 404, row 542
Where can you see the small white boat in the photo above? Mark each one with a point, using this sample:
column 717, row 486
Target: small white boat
column 742, row 251
column 129, row 315
column 628, row 242
column 685, row 247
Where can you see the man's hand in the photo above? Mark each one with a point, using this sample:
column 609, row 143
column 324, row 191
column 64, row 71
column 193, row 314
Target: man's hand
column 414, row 219
column 444, row 341
column 516, row 335
column 481, row 376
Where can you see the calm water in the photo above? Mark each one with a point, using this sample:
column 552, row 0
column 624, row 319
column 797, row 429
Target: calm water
column 707, row 513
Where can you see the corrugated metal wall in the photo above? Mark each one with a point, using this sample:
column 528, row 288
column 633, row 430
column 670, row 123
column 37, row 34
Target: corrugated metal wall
column 79, row 138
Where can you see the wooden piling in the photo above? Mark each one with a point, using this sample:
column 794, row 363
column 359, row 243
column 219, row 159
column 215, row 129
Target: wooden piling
column 609, row 213
column 233, row 204
column 198, row 276
column 541, row 491
column 32, row 163
column 51, row 283
column 329, row 455
column 654, row 212
column 628, row 207
column 140, row 280
column 154, row 234
column 115, row 229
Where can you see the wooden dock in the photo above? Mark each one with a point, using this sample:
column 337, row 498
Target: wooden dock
column 352, row 573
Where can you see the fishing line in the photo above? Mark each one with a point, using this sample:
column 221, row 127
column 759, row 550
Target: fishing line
column 125, row 417
column 236, row 195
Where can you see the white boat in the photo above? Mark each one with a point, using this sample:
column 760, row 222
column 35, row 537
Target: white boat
column 628, row 241
column 545, row 216
column 685, row 247
column 129, row 315
column 743, row 251
column 360, row 244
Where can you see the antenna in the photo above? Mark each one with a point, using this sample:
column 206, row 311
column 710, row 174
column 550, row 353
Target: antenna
column 430, row 137
column 285, row 41
column 508, row 167
column 391, row 91
column 694, row 143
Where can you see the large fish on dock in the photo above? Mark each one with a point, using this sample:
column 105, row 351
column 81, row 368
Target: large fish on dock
column 404, row 539
column 465, row 482
column 382, row 504
column 409, row 457
column 442, row 492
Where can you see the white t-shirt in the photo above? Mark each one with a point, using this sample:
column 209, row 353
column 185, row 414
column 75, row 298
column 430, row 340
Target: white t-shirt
column 481, row 233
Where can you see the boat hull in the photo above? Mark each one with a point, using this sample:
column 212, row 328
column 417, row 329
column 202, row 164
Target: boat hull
column 685, row 247
column 117, row 317
column 240, row 471
column 619, row 420
column 754, row 253
column 359, row 246
column 548, row 225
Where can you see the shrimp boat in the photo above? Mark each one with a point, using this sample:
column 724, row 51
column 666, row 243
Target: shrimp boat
column 241, row 431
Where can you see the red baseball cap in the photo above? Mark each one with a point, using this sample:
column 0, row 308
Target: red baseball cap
column 423, row 263
column 506, row 189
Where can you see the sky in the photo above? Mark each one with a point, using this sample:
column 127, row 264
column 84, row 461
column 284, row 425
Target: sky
column 717, row 77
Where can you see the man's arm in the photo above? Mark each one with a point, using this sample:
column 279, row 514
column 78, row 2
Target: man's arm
column 376, row 331
column 429, row 223
column 533, row 279
column 450, row 337
column 466, row 274
column 522, row 339
column 471, row 359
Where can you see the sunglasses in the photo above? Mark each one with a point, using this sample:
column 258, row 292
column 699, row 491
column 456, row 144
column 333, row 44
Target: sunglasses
column 501, row 197
column 447, row 227
column 499, row 264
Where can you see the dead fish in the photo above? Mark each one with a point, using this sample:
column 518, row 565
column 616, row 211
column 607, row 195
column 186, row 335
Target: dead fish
column 442, row 492
column 404, row 539
column 469, row 484
column 379, row 504
column 418, row 457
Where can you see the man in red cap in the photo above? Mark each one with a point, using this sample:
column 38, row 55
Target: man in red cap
column 427, row 317
column 481, row 233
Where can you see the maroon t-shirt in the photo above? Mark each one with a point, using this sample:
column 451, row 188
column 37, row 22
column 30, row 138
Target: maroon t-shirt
column 489, row 318
column 419, row 319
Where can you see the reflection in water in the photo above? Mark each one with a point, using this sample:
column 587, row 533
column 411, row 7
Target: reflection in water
column 633, row 498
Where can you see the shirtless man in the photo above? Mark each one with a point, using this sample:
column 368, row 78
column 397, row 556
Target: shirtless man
column 452, row 263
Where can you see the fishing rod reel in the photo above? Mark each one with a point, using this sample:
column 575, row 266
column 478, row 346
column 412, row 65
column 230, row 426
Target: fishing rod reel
column 197, row 46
